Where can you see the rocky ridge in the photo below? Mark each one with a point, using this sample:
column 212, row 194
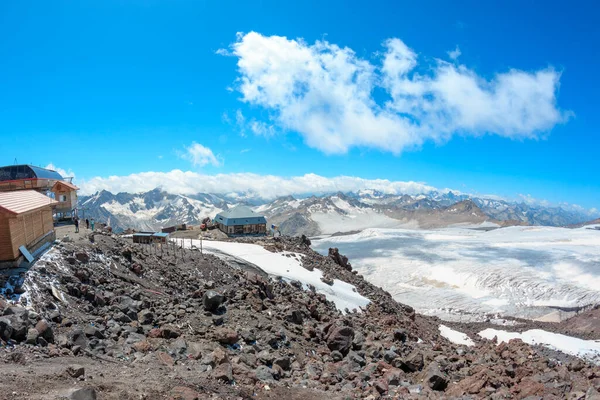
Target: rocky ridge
column 198, row 327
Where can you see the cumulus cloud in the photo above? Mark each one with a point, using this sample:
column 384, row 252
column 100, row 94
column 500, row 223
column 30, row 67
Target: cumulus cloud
column 200, row 156
column 326, row 93
column 65, row 173
column 454, row 54
column 264, row 186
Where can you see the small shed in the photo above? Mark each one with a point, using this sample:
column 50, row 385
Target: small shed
column 66, row 195
column 150, row 237
column 241, row 221
column 25, row 220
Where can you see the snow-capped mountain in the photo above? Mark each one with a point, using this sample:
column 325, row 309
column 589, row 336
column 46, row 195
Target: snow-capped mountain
column 152, row 210
column 327, row 214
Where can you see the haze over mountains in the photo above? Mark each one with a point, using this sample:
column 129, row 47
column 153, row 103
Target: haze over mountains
column 326, row 214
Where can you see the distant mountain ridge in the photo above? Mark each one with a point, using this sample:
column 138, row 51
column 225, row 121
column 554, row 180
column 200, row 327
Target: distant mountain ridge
column 326, row 214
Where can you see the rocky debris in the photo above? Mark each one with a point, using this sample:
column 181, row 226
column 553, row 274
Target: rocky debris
column 339, row 259
column 238, row 328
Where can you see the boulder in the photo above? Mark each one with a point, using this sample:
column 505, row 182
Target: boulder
column 82, row 257
column 223, row 372
column 436, row 379
column 265, row 374
column 340, row 338
column 339, row 259
column 6, row 328
column 77, row 338
column 413, row 362
column 145, row 317
column 86, row 393
column 32, row 336
column 226, row 336
column 75, row 371
column 212, row 300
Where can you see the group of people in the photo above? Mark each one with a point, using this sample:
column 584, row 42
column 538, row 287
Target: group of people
column 88, row 223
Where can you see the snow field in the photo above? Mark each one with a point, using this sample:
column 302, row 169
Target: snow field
column 586, row 349
column 456, row 337
column 462, row 274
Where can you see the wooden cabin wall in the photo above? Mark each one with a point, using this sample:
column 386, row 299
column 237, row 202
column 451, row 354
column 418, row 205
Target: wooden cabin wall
column 6, row 246
column 28, row 228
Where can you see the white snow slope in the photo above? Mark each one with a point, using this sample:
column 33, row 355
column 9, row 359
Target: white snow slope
column 587, row 349
column 461, row 274
column 455, row 336
column 288, row 266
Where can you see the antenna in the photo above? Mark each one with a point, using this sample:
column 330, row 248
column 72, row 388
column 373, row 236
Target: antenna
column 15, row 161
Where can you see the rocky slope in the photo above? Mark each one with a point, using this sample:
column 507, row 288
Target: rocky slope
column 175, row 323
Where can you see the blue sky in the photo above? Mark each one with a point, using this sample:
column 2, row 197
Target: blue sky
column 124, row 87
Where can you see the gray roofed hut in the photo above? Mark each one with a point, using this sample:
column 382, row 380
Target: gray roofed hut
column 241, row 221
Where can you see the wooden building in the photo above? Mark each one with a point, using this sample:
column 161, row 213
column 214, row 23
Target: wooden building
column 25, row 220
column 150, row 237
column 241, row 221
column 65, row 193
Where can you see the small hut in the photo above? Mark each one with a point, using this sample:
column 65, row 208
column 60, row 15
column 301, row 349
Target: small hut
column 66, row 195
column 241, row 221
column 150, row 237
column 25, row 221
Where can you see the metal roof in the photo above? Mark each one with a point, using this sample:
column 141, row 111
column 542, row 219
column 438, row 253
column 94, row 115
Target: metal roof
column 23, row 201
column 16, row 172
column 161, row 234
column 240, row 215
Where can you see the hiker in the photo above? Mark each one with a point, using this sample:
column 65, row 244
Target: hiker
column 92, row 223
column 87, row 223
column 76, row 220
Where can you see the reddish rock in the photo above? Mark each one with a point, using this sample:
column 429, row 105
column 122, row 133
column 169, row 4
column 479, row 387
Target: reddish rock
column 165, row 359
column 226, row 336
column 223, row 372
column 155, row 333
column 184, row 393
column 144, row 346
column 340, row 338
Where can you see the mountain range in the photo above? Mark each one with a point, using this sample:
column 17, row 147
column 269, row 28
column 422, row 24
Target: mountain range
column 326, row 214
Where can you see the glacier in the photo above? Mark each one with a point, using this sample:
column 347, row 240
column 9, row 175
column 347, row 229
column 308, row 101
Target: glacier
column 462, row 274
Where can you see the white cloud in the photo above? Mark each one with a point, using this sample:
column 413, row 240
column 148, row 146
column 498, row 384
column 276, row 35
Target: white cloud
column 261, row 128
column 532, row 201
column 200, row 156
column 65, row 173
column 271, row 186
column 325, row 93
column 265, row 186
column 454, row 54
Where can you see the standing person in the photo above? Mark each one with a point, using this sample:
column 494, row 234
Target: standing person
column 87, row 223
column 76, row 225
column 92, row 223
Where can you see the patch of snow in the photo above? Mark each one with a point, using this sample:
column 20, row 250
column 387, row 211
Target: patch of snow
column 456, row 337
column 586, row 349
column 288, row 266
